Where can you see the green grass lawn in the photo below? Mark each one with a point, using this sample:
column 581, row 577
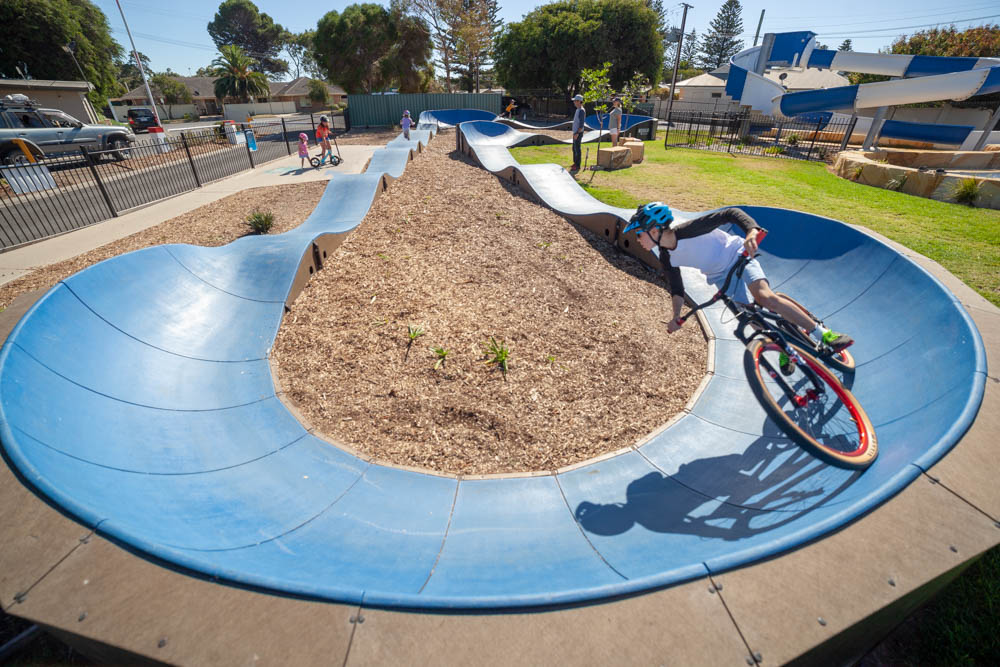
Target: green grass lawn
column 964, row 240
column 959, row 626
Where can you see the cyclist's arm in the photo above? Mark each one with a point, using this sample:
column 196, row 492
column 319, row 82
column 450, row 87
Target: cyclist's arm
column 706, row 223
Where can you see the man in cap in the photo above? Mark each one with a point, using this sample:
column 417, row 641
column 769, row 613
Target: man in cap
column 578, row 118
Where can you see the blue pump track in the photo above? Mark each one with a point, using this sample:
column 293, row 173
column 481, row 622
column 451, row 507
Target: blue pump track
column 137, row 396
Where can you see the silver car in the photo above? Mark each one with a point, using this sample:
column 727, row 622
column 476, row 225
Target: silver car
column 46, row 132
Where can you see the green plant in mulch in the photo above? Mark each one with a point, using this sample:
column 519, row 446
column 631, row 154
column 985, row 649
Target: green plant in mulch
column 792, row 139
column 544, row 244
column 442, row 356
column 774, row 150
column 412, row 333
column 260, row 222
column 497, row 354
column 967, row 191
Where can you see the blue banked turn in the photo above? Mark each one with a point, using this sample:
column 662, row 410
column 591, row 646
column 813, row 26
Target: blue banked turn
column 137, row 396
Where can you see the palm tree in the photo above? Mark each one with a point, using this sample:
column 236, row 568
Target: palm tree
column 238, row 80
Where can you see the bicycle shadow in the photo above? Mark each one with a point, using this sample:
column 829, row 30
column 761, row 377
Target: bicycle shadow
column 731, row 497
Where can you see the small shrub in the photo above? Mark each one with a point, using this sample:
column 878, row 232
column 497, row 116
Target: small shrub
column 967, row 191
column 774, row 150
column 413, row 333
column 857, row 172
column 260, row 222
column 442, row 356
column 747, row 139
column 497, row 354
column 792, row 139
column 896, row 184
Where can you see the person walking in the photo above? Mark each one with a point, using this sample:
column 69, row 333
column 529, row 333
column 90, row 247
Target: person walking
column 579, row 116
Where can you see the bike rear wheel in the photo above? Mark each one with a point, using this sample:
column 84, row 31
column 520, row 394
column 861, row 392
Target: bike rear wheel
column 825, row 418
column 842, row 361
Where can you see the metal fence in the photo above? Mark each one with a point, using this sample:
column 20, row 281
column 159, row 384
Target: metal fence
column 387, row 110
column 60, row 194
column 814, row 137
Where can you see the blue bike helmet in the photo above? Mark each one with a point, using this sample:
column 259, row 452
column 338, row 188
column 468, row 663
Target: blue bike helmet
column 653, row 214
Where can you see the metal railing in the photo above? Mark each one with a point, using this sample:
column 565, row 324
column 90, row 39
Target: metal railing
column 811, row 137
column 67, row 192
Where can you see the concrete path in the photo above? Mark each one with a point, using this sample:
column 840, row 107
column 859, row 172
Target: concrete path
column 25, row 259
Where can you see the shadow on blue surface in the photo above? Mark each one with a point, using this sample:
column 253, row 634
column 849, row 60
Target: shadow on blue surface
column 137, row 396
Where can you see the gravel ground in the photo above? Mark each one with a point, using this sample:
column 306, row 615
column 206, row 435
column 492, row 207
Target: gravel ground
column 462, row 256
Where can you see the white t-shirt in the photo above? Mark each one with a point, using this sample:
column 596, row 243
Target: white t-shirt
column 712, row 253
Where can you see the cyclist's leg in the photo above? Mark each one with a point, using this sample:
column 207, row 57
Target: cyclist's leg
column 778, row 303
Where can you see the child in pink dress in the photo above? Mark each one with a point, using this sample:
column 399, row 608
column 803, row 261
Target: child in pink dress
column 303, row 149
column 406, row 123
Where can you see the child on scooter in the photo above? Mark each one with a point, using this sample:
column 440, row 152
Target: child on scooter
column 323, row 137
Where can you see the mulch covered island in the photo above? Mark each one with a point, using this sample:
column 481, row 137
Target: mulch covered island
column 387, row 350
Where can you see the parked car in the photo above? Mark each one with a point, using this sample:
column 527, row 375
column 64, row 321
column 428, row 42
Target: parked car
column 141, row 118
column 53, row 132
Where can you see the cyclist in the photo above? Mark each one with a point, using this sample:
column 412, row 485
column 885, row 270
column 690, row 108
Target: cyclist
column 700, row 244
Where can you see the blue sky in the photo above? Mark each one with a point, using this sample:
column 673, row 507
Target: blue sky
column 173, row 34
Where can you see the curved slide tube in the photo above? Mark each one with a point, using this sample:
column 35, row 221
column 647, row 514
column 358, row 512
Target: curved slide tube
column 137, row 396
column 449, row 118
column 922, row 79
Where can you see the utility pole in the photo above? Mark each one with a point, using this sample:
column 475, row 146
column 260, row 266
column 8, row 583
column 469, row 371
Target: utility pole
column 135, row 53
column 759, row 24
column 677, row 60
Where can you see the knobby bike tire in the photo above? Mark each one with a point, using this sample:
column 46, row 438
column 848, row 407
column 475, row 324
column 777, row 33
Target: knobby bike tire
column 842, row 361
column 834, row 427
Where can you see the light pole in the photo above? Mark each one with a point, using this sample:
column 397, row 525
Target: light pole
column 677, row 62
column 71, row 50
column 138, row 63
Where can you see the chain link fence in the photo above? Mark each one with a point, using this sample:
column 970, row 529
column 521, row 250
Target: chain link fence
column 62, row 193
column 807, row 137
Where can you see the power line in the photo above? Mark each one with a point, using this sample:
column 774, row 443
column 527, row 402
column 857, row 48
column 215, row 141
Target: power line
column 909, row 27
column 960, row 8
column 844, row 25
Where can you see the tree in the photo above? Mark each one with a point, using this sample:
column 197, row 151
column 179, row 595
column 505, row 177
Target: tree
column 37, row 29
column 240, row 23
column 171, row 91
column 551, row 45
column 318, row 92
column 597, row 91
column 689, row 50
column 845, row 46
column 722, row 41
column 128, row 73
column 438, row 16
column 210, row 71
column 238, row 80
column 298, row 46
column 473, row 39
column 367, row 48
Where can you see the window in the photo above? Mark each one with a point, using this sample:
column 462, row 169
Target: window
column 60, row 119
column 26, row 119
column 717, row 95
column 3, row 121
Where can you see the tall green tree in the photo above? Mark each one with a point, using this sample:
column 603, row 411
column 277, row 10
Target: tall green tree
column 551, row 45
column 689, row 50
column 240, row 23
column 439, row 16
column 845, row 46
column 368, row 47
column 298, row 46
column 474, row 40
column 318, row 93
column 128, row 73
column 722, row 41
column 238, row 78
column 36, row 31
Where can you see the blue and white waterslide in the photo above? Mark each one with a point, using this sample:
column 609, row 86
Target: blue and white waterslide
column 921, row 79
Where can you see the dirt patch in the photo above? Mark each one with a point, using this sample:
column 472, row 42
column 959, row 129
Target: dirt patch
column 455, row 252
column 371, row 137
column 214, row 224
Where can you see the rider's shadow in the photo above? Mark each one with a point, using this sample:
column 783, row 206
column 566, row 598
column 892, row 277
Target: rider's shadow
column 730, row 497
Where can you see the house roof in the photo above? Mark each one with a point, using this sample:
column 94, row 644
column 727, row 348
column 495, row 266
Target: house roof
column 82, row 86
column 204, row 87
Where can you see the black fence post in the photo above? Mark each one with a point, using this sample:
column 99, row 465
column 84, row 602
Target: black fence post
column 734, row 120
column 849, row 132
column 313, row 121
column 284, row 133
column 187, row 150
column 97, row 178
column 243, row 129
column 666, row 138
column 819, row 124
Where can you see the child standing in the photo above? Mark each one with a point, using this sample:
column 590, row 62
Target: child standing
column 303, row 149
column 406, row 123
column 323, row 137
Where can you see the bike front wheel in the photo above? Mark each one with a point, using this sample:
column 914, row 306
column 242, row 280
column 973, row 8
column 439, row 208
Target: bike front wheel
column 811, row 405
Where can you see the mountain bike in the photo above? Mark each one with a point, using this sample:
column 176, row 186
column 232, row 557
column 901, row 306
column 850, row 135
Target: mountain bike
column 804, row 397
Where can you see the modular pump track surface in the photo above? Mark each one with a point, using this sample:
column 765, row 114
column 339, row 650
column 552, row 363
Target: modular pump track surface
column 137, row 396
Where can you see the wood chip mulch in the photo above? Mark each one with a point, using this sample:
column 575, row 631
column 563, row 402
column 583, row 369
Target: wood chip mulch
column 214, row 224
column 460, row 258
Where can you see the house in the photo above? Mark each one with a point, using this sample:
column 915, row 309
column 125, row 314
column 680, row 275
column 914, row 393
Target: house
column 707, row 92
column 68, row 96
column 202, row 89
column 297, row 91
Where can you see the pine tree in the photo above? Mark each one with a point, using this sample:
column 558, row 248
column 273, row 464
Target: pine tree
column 689, row 50
column 722, row 41
column 845, row 46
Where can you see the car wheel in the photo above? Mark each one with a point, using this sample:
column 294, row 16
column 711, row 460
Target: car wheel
column 120, row 148
column 14, row 157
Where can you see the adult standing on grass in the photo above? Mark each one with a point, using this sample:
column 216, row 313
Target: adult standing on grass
column 578, row 118
column 615, row 120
